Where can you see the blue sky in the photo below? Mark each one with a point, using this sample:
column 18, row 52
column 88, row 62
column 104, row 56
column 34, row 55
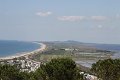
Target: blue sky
column 96, row 21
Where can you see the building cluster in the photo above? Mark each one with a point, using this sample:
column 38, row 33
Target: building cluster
column 24, row 65
column 87, row 76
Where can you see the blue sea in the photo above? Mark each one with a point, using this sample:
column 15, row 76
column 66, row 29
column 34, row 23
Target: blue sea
column 110, row 47
column 9, row 47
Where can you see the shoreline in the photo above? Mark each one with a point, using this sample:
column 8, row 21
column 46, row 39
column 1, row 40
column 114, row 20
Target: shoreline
column 26, row 54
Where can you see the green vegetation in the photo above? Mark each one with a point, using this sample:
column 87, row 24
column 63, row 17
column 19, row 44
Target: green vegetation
column 8, row 72
column 76, row 51
column 108, row 69
column 60, row 69
column 56, row 69
column 75, row 55
column 63, row 69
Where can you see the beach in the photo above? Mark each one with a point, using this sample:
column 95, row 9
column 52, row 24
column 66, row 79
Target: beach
column 26, row 54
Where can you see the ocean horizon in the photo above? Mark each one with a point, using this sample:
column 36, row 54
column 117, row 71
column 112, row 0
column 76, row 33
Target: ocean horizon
column 9, row 47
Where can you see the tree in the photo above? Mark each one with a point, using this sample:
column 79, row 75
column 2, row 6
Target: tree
column 56, row 69
column 108, row 69
column 59, row 69
column 8, row 72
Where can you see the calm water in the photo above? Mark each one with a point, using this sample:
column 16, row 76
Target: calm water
column 88, row 63
column 8, row 48
column 110, row 47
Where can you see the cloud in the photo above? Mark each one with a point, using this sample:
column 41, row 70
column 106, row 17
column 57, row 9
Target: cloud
column 100, row 26
column 43, row 14
column 98, row 18
column 71, row 18
column 117, row 16
column 80, row 18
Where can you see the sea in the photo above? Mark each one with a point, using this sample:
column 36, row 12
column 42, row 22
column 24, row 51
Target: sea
column 11, row 47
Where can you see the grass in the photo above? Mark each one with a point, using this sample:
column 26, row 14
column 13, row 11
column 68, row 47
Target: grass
column 55, row 50
column 48, row 55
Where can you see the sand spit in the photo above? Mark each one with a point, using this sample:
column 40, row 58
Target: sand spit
column 26, row 54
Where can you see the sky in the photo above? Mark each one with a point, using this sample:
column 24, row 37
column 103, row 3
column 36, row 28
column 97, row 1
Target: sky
column 94, row 21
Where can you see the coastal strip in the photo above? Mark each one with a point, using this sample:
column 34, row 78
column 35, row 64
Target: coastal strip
column 26, row 54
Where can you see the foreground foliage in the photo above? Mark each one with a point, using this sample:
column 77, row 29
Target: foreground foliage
column 108, row 69
column 56, row 69
column 8, row 72
column 59, row 69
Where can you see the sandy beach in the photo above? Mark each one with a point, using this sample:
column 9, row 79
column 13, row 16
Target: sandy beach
column 26, row 54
